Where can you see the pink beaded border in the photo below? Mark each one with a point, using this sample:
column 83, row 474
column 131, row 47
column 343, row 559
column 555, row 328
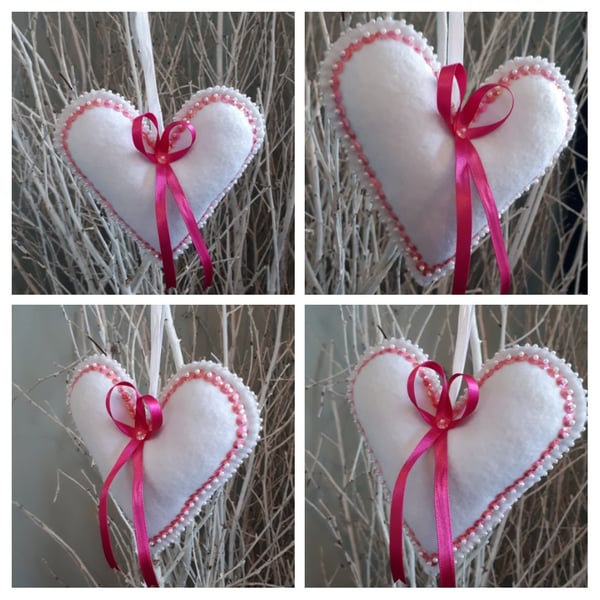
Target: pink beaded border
column 200, row 100
column 127, row 395
column 237, row 406
column 431, row 387
column 247, row 428
column 569, row 431
column 388, row 29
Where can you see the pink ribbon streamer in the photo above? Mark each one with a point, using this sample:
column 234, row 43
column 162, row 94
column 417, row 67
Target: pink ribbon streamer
column 437, row 437
column 142, row 430
column 162, row 157
column 468, row 166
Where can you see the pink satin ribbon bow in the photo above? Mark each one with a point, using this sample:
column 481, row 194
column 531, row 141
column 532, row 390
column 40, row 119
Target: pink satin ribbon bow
column 162, row 157
column 437, row 438
column 469, row 166
column 145, row 426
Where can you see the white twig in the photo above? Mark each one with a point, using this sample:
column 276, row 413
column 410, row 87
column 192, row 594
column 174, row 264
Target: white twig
column 143, row 40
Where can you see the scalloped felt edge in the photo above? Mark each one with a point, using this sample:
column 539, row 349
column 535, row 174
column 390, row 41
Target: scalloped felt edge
column 255, row 118
column 172, row 531
column 566, row 378
column 341, row 50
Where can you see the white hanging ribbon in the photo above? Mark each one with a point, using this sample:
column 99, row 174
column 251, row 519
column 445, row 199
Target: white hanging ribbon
column 463, row 335
column 173, row 338
column 450, row 37
column 143, row 42
column 456, row 38
column 450, row 45
column 161, row 320
column 156, row 339
column 467, row 336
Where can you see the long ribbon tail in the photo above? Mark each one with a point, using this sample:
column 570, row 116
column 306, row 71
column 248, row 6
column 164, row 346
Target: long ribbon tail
column 127, row 452
column 464, row 215
column 164, row 238
column 397, row 506
column 491, row 212
column 141, row 532
column 192, row 226
column 443, row 520
column 468, row 165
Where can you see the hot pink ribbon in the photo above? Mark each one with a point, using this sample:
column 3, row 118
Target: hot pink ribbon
column 145, row 426
column 437, row 437
column 469, row 166
column 162, row 157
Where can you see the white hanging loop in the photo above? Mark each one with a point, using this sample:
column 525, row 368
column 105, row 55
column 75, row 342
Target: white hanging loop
column 463, row 334
column 450, row 37
column 161, row 320
column 450, row 45
column 173, row 338
column 456, row 38
column 467, row 336
column 143, row 42
column 156, row 338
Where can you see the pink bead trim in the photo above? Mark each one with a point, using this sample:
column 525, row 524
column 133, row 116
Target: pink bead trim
column 127, row 395
column 237, row 407
column 526, row 68
column 239, row 448
column 198, row 102
column 500, row 504
column 400, row 32
column 431, row 389
column 538, row 466
column 337, row 69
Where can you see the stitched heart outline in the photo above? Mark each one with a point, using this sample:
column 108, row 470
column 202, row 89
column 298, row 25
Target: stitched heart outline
column 211, row 425
column 482, row 486
column 93, row 135
column 411, row 177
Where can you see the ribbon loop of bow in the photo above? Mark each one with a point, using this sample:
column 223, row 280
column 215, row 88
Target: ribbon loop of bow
column 440, row 424
column 468, row 166
column 148, row 420
column 162, row 156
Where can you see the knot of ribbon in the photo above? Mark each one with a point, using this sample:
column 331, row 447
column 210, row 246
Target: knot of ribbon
column 440, row 424
column 468, row 166
column 162, row 156
column 148, row 420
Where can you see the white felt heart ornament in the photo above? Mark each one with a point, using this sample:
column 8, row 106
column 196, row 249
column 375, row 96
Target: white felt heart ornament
column 532, row 407
column 94, row 136
column 211, row 423
column 379, row 87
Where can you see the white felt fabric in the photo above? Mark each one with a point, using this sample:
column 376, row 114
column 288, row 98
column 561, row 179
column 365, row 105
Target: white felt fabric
column 519, row 417
column 385, row 98
column 199, row 430
column 96, row 141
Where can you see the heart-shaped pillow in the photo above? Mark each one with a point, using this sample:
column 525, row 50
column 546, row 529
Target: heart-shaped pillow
column 211, row 424
column 379, row 86
column 94, row 135
column 532, row 407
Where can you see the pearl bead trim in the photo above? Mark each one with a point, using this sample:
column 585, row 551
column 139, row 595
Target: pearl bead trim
column 353, row 41
column 574, row 407
column 247, row 429
column 106, row 99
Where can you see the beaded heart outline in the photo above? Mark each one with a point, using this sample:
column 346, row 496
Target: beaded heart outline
column 574, row 420
column 341, row 51
column 248, row 421
column 198, row 101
